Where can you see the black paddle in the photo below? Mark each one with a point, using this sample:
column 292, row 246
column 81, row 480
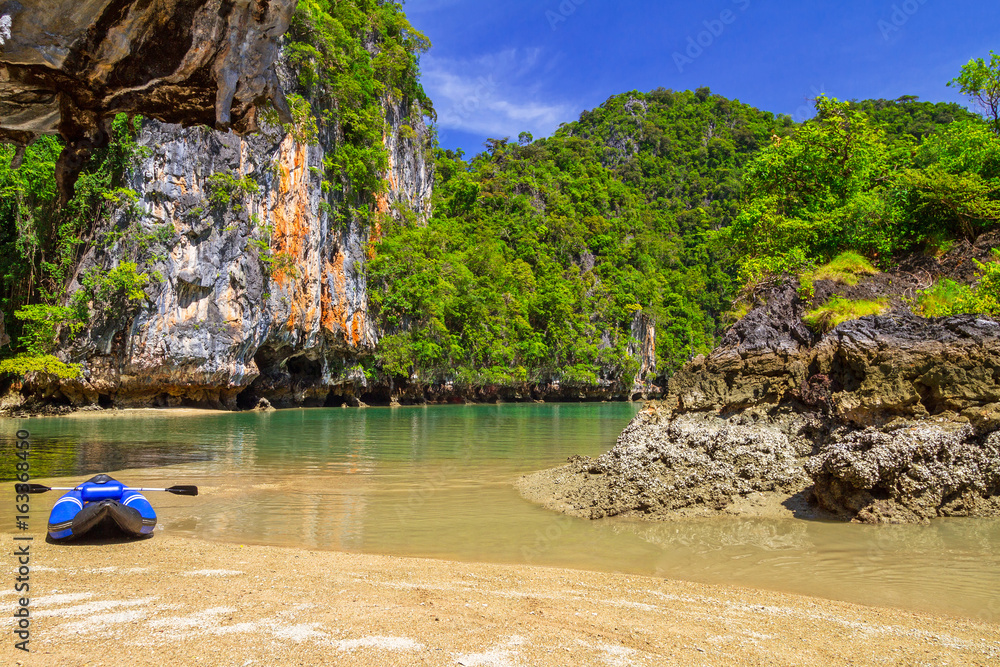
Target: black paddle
column 38, row 488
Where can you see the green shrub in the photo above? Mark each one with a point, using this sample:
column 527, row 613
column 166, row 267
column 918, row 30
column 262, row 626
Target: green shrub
column 739, row 310
column 23, row 364
column 42, row 323
column 223, row 187
column 947, row 297
column 838, row 310
column 304, row 128
column 942, row 299
column 845, row 269
column 985, row 297
column 115, row 292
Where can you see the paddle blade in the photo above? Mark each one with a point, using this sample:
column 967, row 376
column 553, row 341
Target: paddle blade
column 183, row 490
column 31, row 488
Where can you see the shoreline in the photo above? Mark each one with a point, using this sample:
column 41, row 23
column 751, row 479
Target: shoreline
column 85, row 413
column 90, row 413
column 539, row 488
column 168, row 598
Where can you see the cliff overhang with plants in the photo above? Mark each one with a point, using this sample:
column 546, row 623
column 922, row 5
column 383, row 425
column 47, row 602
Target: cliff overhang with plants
column 197, row 267
column 68, row 68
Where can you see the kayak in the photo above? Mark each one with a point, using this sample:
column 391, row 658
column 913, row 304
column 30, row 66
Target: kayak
column 101, row 504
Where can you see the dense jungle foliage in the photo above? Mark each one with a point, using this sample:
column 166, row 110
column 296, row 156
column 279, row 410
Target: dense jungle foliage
column 350, row 57
column 41, row 244
column 846, row 182
column 541, row 253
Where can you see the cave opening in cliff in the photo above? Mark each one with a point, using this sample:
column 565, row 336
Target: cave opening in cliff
column 302, row 366
column 335, row 399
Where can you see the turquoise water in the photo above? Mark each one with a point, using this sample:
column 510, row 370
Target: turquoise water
column 436, row 482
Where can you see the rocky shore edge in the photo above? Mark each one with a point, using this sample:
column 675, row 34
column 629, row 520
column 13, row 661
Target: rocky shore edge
column 667, row 466
column 42, row 397
column 885, row 419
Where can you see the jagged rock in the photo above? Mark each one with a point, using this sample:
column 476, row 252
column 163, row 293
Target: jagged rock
column 909, row 474
column 762, row 359
column 264, row 405
column 866, row 372
column 661, row 464
column 67, row 67
column 896, row 412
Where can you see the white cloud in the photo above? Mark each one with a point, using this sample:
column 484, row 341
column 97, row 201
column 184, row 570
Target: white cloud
column 498, row 94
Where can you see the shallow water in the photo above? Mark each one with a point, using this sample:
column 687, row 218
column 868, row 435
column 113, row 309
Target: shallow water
column 437, row 482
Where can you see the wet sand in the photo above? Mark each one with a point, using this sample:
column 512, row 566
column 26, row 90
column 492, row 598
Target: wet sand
column 178, row 601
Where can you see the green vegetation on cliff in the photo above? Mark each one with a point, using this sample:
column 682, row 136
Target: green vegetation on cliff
column 947, row 297
column 874, row 178
column 541, row 255
column 842, row 183
column 41, row 242
column 352, row 57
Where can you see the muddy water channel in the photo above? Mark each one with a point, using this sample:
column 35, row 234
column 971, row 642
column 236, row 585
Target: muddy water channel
column 436, row 482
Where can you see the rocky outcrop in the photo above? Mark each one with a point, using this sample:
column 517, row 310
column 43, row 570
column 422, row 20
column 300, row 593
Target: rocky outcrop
column 264, row 405
column 865, row 372
column 888, row 418
column 779, row 463
column 909, row 474
column 642, row 348
column 660, row 465
column 411, row 171
column 67, row 67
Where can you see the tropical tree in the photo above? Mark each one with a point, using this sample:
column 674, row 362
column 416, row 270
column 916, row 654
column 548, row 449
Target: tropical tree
column 980, row 80
column 815, row 193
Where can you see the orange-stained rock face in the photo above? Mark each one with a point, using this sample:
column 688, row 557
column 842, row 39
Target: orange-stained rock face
column 260, row 283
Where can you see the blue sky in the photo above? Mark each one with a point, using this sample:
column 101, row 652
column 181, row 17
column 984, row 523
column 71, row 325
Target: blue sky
column 498, row 68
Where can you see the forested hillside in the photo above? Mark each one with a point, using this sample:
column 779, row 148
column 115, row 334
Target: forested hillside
column 541, row 254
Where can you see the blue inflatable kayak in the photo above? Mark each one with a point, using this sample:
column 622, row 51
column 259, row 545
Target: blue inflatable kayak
column 101, row 503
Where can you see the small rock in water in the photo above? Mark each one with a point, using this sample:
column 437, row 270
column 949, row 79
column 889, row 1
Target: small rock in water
column 264, row 405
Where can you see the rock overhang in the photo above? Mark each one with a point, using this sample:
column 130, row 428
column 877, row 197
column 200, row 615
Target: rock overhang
column 67, row 67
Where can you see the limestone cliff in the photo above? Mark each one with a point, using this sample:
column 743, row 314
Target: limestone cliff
column 259, row 280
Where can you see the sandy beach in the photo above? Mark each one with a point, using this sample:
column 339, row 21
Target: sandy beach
column 177, row 601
